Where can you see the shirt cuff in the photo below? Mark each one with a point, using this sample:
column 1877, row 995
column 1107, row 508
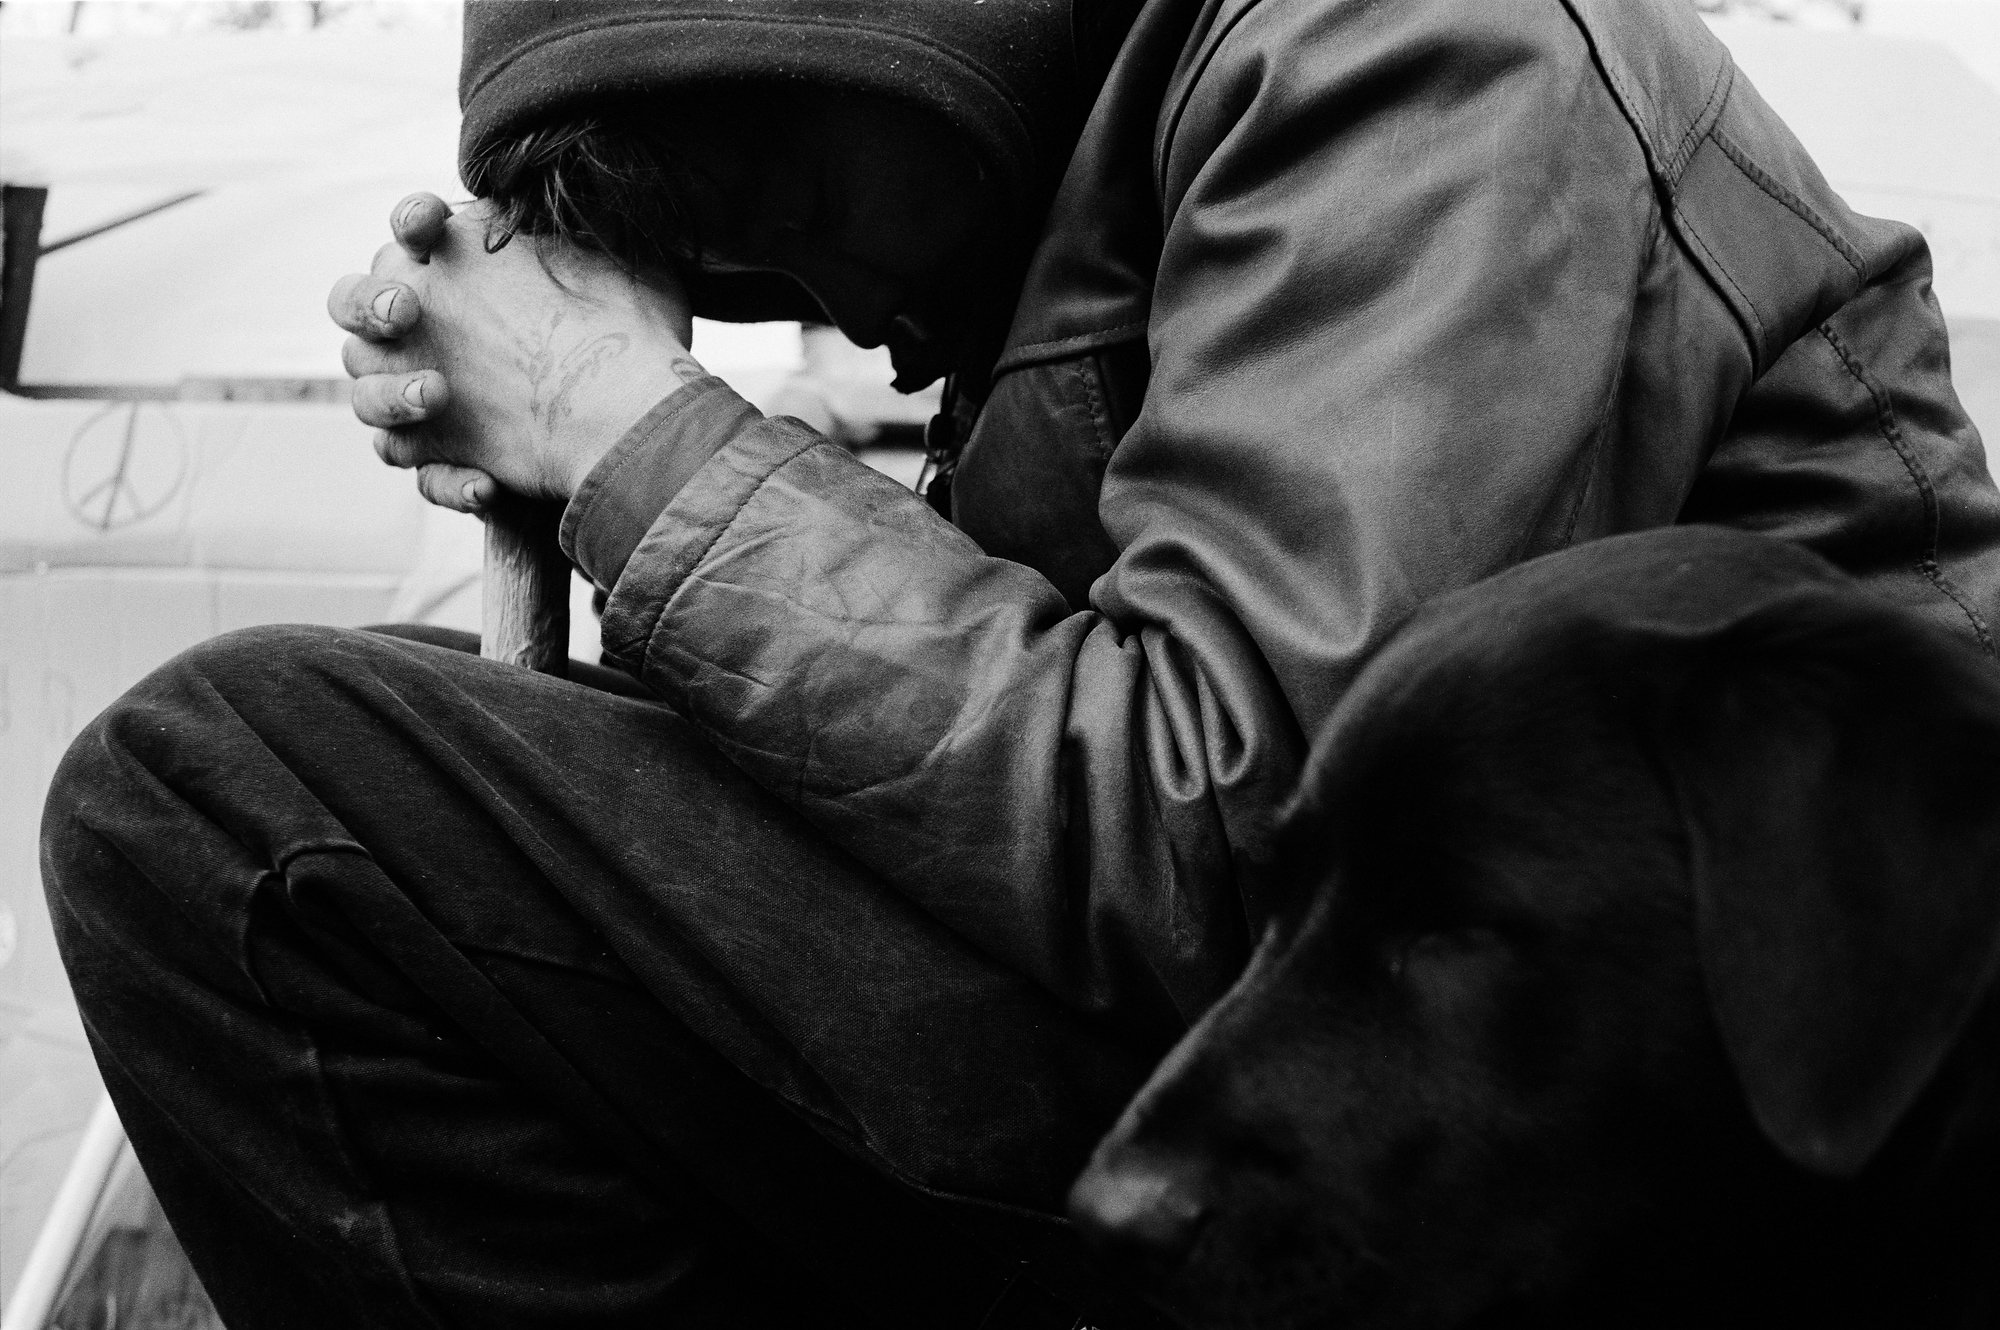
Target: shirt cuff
column 632, row 484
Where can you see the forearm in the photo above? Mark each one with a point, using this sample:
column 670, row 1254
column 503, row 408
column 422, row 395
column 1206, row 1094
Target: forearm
column 1036, row 781
column 1089, row 795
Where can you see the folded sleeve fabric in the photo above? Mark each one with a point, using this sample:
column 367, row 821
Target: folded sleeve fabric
column 625, row 492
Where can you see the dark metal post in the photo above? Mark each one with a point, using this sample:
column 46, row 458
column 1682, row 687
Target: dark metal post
column 20, row 245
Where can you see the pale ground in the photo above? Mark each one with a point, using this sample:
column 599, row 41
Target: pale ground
column 216, row 515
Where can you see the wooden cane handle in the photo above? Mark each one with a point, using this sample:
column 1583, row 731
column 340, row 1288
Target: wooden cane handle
column 525, row 615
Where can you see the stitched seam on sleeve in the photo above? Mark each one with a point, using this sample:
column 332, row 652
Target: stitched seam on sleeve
column 1093, row 392
column 1757, row 332
column 1667, row 168
column 1892, row 433
column 1797, row 206
column 1628, row 105
column 1703, row 120
column 618, row 469
column 1641, row 123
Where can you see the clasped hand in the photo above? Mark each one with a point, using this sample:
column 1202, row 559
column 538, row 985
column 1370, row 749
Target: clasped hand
column 516, row 368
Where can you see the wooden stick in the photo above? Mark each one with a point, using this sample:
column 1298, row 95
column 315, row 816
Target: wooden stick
column 525, row 615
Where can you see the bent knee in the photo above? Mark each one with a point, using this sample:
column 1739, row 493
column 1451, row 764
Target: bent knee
column 185, row 708
column 253, row 669
column 194, row 739
column 277, row 651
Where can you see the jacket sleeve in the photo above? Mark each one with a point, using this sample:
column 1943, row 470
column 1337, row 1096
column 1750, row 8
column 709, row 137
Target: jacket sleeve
column 1401, row 250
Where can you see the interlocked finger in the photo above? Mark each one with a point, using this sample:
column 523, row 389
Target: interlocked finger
column 388, row 401
column 410, row 446
column 461, row 488
column 418, row 224
column 373, row 307
column 361, row 357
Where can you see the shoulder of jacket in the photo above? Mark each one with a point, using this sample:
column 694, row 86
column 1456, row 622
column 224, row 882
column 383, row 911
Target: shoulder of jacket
column 1668, row 73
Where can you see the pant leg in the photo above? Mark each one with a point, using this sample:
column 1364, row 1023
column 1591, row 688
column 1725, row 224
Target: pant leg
column 428, row 989
column 604, row 677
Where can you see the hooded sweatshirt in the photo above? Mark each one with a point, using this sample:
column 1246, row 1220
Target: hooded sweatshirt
column 1013, row 77
column 1337, row 307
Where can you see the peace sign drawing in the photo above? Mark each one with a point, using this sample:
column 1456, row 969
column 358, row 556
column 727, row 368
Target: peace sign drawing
column 124, row 464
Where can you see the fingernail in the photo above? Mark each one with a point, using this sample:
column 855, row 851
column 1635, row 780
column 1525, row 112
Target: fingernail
column 403, row 214
column 384, row 304
column 471, row 493
column 413, row 393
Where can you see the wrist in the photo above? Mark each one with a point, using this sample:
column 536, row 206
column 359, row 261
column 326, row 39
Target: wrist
column 587, row 436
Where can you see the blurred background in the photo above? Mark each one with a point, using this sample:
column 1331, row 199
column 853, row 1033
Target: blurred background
column 190, row 178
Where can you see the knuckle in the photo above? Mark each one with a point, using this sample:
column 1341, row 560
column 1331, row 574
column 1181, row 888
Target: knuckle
column 440, row 484
column 365, row 357
column 363, row 399
column 402, row 447
column 394, row 263
column 427, row 484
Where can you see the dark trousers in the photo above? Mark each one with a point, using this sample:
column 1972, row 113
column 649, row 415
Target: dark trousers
column 436, row 993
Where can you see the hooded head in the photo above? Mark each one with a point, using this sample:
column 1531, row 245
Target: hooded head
column 979, row 101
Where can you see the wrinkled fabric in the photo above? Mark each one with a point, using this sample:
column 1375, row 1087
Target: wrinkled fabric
column 611, row 511
column 1340, row 307
column 433, row 991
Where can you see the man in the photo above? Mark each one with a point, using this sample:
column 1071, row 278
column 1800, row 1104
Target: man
column 801, row 984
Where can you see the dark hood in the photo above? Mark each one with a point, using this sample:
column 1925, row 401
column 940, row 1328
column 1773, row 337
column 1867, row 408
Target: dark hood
column 1014, row 76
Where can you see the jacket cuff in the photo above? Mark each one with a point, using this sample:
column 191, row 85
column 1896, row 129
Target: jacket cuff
column 632, row 484
column 690, row 526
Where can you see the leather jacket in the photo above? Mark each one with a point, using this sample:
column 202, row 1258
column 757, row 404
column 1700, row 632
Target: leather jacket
column 1339, row 307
